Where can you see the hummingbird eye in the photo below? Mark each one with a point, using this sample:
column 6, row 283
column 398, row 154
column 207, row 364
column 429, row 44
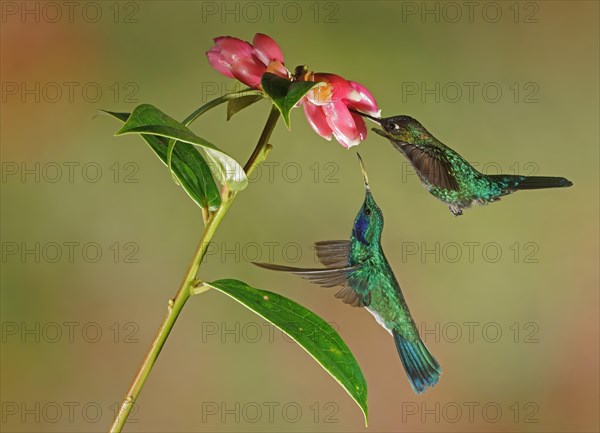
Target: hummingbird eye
column 392, row 126
column 367, row 211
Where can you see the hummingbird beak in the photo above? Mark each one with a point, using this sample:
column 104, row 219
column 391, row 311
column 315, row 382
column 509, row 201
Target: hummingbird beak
column 364, row 172
column 368, row 116
column 380, row 132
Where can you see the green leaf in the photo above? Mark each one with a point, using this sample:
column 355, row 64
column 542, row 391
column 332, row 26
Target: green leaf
column 238, row 104
column 191, row 169
column 209, row 106
column 284, row 93
column 147, row 119
column 311, row 332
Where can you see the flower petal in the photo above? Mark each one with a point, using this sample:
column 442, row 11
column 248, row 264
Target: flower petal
column 367, row 103
column 249, row 71
column 340, row 87
column 217, row 61
column 233, row 49
column 342, row 123
column 360, row 126
column 277, row 68
column 345, row 141
column 317, row 120
column 266, row 49
column 320, row 94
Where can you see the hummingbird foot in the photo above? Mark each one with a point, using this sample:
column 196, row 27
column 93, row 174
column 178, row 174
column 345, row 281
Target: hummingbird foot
column 456, row 210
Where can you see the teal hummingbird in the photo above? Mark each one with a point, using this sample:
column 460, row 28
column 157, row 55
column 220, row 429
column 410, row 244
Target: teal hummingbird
column 446, row 174
column 360, row 268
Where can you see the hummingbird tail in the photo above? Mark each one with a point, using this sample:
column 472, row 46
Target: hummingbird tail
column 515, row 183
column 421, row 367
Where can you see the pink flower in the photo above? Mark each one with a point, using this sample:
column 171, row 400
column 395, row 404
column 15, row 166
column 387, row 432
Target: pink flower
column 327, row 108
column 238, row 59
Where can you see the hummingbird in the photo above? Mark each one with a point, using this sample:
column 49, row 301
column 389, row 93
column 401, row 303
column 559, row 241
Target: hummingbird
column 360, row 268
column 446, row 174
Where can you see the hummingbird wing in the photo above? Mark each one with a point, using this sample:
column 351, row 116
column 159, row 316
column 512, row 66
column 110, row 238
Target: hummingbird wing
column 333, row 254
column 337, row 272
column 431, row 163
column 326, row 277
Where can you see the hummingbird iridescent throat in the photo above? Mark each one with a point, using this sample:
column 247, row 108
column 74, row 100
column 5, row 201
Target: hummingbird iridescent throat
column 446, row 174
column 366, row 279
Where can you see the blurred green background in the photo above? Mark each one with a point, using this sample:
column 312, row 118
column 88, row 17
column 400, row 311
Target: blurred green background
column 96, row 236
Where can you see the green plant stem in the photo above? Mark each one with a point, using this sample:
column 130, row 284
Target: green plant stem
column 218, row 101
column 189, row 283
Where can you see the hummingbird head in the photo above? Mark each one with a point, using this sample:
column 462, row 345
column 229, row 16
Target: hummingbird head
column 402, row 128
column 368, row 224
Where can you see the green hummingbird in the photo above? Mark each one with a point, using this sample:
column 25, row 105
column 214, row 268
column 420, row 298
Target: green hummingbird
column 359, row 266
column 446, row 174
